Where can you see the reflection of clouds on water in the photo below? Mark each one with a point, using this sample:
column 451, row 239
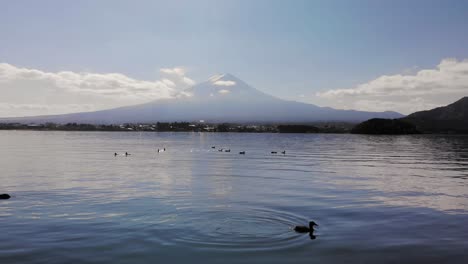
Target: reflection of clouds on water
column 408, row 171
column 365, row 192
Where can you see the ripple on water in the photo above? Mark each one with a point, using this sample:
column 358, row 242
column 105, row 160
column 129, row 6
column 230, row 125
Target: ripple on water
column 240, row 229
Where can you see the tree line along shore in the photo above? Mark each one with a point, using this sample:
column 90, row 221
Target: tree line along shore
column 325, row 127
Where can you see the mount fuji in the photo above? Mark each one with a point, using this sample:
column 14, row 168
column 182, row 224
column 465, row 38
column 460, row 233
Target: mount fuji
column 222, row 98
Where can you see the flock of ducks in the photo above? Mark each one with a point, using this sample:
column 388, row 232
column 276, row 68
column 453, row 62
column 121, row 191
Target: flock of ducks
column 298, row 229
column 243, row 152
column 213, row 147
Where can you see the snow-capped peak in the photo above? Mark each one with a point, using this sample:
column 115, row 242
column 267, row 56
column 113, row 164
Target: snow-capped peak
column 216, row 77
column 223, row 80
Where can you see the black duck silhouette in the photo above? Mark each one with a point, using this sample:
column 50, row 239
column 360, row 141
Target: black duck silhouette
column 283, row 152
column 5, row 196
column 242, row 152
column 274, row 152
column 305, row 229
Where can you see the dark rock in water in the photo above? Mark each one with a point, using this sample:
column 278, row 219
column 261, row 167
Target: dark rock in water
column 5, row 196
column 379, row 126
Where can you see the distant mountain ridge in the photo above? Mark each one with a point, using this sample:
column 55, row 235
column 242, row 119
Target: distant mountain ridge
column 222, row 98
column 452, row 118
column 446, row 119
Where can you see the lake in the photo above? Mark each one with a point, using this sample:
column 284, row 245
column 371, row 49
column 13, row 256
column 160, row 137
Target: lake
column 377, row 199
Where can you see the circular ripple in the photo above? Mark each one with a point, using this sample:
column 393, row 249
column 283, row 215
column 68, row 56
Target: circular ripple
column 231, row 228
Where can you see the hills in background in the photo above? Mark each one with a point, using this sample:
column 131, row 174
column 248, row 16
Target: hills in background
column 452, row 118
column 447, row 119
column 220, row 99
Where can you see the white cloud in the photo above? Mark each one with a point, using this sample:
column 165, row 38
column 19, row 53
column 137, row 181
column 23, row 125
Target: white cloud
column 176, row 71
column 224, row 83
column 35, row 92
column 224, row 91
column 405, row 93
column 178, row 74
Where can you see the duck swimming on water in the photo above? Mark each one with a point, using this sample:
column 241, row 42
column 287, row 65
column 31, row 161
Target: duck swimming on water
column 305, row 229
column 5, row 196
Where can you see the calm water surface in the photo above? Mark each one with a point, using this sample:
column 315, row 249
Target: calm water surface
column 377, row 199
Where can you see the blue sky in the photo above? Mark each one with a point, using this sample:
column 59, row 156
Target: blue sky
column 286, row 48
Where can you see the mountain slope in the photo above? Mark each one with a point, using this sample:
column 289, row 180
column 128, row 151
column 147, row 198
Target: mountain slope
column 450, row 118
column 222, row 98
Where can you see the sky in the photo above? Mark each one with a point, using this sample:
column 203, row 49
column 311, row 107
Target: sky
column 69, row 56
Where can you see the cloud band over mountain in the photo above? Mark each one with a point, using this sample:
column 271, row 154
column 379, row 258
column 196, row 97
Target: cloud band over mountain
column 408, row 93
column 35, row 92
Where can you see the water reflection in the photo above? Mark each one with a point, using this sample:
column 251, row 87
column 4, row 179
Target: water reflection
column 377, row 195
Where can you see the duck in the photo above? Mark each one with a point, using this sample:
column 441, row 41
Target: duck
column 213, row 147
column 127, row 154
column 242, row 152
column 115, row 154
column 274, row 152
column 305, row 229
column 5, row 196
column 227, row 150
column 283, row 152
column 220, row 150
